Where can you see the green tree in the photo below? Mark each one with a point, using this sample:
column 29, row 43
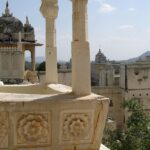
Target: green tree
column 41, row 66
column 135, row 135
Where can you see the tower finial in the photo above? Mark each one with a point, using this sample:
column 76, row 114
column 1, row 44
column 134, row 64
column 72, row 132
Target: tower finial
column 27, row 20
column 7, row 11
column 99, row 48
column 7, row 4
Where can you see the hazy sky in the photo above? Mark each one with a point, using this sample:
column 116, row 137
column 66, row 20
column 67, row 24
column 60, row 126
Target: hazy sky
column 121, row 28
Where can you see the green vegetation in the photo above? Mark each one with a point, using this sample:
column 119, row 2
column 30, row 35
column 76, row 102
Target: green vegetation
column 136, row 135
column 41, row 66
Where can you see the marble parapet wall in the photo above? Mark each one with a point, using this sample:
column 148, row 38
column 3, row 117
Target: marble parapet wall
column 51, row 122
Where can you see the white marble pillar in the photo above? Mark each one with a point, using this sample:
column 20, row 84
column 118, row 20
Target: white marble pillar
column 81, row 80
column 49, row 10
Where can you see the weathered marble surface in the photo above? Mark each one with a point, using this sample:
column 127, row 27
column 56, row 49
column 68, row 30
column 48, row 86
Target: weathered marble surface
column 51, row 122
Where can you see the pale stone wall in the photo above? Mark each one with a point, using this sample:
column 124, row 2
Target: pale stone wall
column 64, row 77
column 122, row 76
column 11, row 63
column 116, row 112
column 105, row 74
column 135, row 82
column 139, row 76
column 142, row 96
column 98, row 72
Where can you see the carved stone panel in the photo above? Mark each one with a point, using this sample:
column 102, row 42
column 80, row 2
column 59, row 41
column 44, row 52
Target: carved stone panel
column 33, row 129
column 3, row 130
column 76, row 126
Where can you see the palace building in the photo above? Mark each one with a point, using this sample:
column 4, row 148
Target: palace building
column 120, row 81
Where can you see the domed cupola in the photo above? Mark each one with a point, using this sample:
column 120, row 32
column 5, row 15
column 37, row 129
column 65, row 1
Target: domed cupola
column 28, row 27
column 100, row 57
column 28, row 31
column 9, row 25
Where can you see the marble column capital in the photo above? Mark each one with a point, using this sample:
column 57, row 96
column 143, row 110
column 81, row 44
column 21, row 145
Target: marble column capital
column 49, row 9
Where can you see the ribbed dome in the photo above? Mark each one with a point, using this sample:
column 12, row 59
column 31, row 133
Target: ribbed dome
column 11, row 28
column 10, row 24
column 28, row 27
column 100, row 57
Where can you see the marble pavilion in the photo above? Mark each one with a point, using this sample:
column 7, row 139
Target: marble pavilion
column 15, row 39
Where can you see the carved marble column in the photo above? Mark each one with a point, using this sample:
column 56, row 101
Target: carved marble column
column 81, row 81
column 49, row 10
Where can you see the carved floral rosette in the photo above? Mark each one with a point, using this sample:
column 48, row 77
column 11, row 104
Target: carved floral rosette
column 32, row 129
column 76, row 126
column 3, row 129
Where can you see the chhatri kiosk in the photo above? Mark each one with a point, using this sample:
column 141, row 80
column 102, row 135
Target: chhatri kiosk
column 54, row 116
column 15, row 39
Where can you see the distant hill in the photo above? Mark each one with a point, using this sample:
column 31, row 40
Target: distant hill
column 37, row 59
column 144, row 56
column 40, row 59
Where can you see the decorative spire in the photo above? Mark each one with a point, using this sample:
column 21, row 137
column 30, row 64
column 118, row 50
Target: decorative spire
column 99, row 50
column 7, row 4
column 7, row 11
column 27, row 21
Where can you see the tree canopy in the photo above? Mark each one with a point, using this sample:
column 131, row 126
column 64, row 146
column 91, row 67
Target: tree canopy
column 41, row 66
column 136, row 133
